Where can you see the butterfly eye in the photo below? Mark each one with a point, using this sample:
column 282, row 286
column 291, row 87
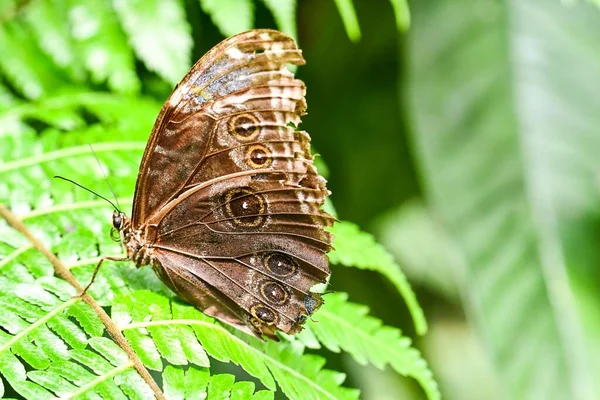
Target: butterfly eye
column 117, row 220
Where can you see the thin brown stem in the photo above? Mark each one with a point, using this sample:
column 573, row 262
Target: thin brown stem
column 63, row 272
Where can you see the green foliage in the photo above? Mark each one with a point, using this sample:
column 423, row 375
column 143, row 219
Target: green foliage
column 350, row 19
column 31, row 73
column 346, row 326
column 359, row 249
column 159, row 33
column 402, row 14
column 103, row 45
column 348, row 14
column 427, row 252
column 177, row 331
column 195, row 383
column 284, row 12
column 60, row 338
column 231, row 16
column 506, row 128
column 69, row 80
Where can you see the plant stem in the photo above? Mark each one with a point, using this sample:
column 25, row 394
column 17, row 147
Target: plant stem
column 64, row 273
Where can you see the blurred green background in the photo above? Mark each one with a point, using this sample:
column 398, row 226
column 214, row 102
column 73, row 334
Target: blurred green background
column 469, row 144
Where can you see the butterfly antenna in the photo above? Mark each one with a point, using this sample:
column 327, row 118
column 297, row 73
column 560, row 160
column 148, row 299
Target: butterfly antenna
column 105, row 177
column 89, row 190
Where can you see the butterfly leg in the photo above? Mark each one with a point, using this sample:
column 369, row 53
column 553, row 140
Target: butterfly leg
column 84, row 291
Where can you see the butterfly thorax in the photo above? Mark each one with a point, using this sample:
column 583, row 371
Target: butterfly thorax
column 134, row 240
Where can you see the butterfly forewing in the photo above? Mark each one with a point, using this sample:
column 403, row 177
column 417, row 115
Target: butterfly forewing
column 188, row 121
column 227, row 207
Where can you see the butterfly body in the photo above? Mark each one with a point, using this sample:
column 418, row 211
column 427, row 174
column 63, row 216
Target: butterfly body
column 227, row 207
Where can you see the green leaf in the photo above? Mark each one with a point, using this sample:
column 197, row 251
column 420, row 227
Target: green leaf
column 427, row 252
column 46, row 20
column 230, row 16
column 44, row 339
column 284, row 12
column 260, row 395
column 354, row 248
column 28, row 69
column 349, row 18
column 219, row 386
column 402, row 14
column 133, row 386
column 87, row 318
column 52, row 381
column 103, row 45
column 14, row 373
column 346, row 326
column 195, row 383
column 109, row 350
column 298, row 375
column 506, row 128
column 159, row 33
column 174, row 382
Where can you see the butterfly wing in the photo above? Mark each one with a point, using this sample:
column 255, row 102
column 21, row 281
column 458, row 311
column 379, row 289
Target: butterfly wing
column 259, row 244
column 235, row 224
column 179, row 144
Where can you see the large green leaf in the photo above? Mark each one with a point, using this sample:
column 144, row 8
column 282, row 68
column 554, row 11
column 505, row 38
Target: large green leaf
column 419, row 242
column 506, row 129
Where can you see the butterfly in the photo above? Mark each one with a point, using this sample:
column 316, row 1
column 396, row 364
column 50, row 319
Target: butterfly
column 227, row 204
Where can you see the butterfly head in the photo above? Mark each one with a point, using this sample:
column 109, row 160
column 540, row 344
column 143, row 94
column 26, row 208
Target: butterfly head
column 120, row 223
column 118, row 220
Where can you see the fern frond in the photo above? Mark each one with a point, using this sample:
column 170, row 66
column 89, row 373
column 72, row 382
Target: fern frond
column 51, row 345
column 143, row 315
column 402, row 14
column 46, row 350
column 423, row 246
column 196, row 383
column 284, row 12
column 103, row 45
column 46, row 20
column 159, row 33
column 354, row 248
column 7, row 99
column 341, row 325
column 349, row 18
column 29, row 70
column 230, row 16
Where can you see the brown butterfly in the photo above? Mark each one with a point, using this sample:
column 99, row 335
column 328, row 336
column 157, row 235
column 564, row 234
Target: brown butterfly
column 227, row 205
